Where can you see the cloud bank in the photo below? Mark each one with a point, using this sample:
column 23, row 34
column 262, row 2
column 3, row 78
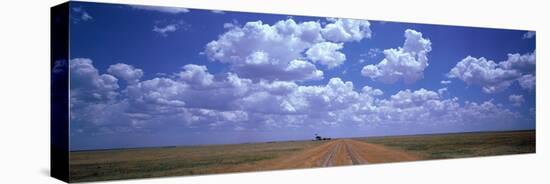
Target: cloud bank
column 196, row 98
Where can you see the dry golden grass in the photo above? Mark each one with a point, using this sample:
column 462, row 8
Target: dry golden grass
column 176, row 161
column 462, row 145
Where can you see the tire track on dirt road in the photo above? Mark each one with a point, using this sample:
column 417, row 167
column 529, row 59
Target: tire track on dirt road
column 356, row 159
column 374, row 153
column 336, row 153
column 328, row 159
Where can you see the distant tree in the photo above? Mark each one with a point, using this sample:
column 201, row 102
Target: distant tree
column 317, row 137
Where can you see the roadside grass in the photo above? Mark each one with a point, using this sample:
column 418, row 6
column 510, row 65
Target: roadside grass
column 462, row 145
column 174, row 161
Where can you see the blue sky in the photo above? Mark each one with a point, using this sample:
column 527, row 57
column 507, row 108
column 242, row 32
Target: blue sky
column 156, row 76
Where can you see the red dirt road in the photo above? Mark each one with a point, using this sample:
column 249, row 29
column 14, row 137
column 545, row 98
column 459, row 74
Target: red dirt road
column 340, row 152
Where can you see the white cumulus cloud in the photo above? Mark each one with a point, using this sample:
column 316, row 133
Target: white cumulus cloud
column 263, row 51
column 523, row 63
column 527, row 81
column 483, row 72
column 196, row 75
column 516, row 100
column 327, row 54
column 126, row 72
column 372, row 91
column 407, row 62
column 88, row 85
column 286, row 50
column 495, row 77
column 344, row 30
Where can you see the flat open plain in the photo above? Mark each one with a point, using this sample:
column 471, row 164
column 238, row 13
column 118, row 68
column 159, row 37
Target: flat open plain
column 209, row 159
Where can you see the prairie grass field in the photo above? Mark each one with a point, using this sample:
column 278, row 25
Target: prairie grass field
column 460, row 145
column 174, row 161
